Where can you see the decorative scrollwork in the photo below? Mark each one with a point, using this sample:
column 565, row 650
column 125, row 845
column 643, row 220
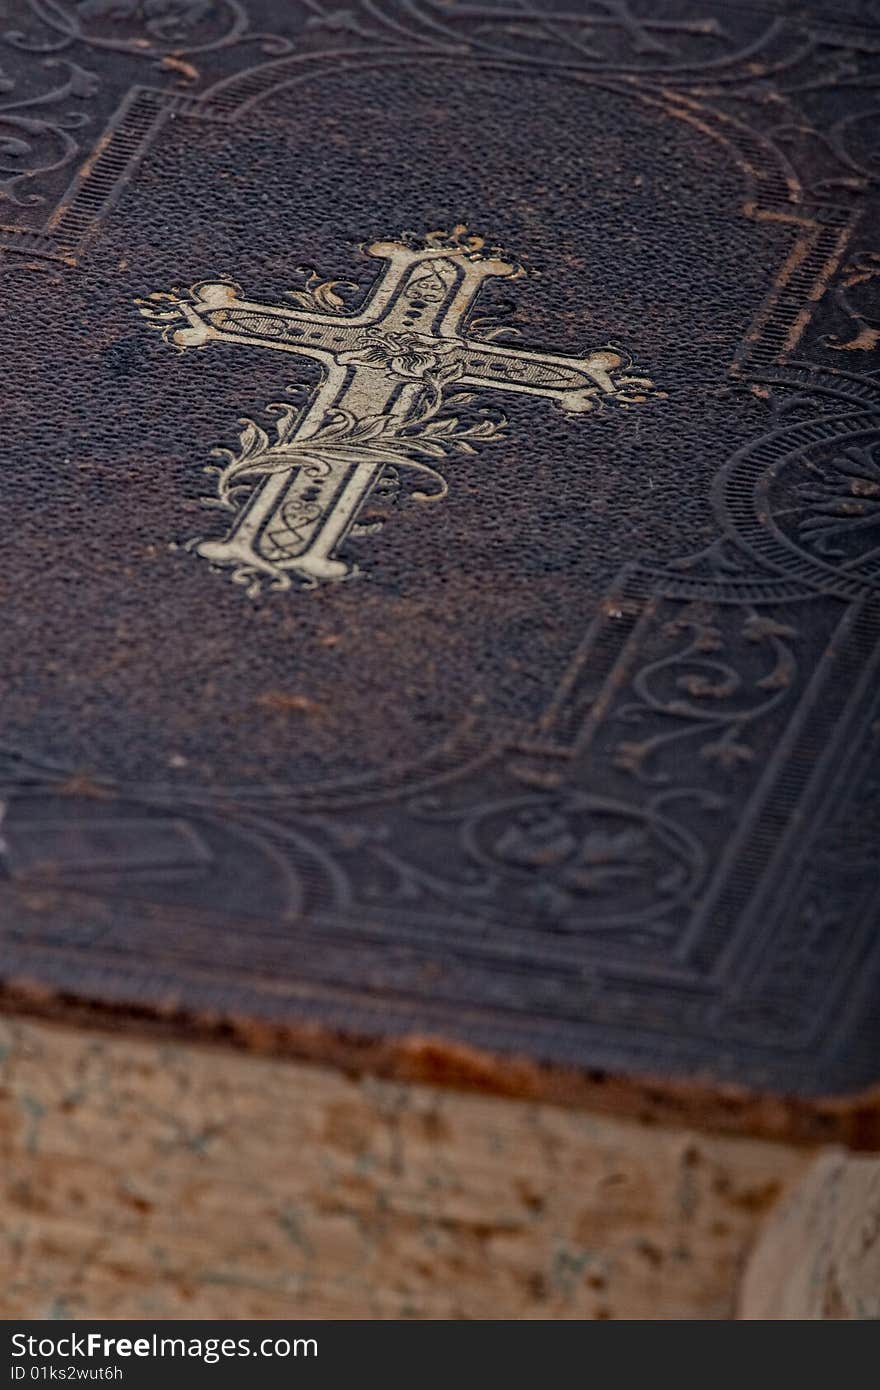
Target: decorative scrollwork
column 599, row 32
column 858, row 298
column 37, row 132
column 699, row 692
column 141, row 28
column 841, row 505
column 400, row 446
column 327, row 458
column 565, row 860
column 35, row 135
column 576, row 860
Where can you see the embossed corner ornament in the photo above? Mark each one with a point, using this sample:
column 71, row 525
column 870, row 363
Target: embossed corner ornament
column 379, row 410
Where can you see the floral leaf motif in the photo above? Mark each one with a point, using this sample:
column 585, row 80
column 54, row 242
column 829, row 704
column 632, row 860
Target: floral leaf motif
column 724, row 697
column 760, row 626
column 702, row 687
column 36, row 140
column 727, row 753
column 253, row 439
column 142, row 28
column 166, row 18
column 319, row 295
column 537, row 843
column 843, row 504
column 411, row 356
column 496, row 333
column 495, row 325
column 344, row 438
column 857, row 295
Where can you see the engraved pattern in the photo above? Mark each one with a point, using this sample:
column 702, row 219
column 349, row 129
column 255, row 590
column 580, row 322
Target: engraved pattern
column 724, row 894
column 34, row 142
column 72, row 40
column 378, row 409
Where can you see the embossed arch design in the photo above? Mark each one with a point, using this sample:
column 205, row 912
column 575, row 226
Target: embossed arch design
column 820, row 233
column 489, row 814
column 821, row 228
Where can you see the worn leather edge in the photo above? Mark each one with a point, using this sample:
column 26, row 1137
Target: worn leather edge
column 719, row 1108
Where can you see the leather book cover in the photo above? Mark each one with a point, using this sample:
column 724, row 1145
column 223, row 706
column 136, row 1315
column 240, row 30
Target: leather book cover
column 441, row 489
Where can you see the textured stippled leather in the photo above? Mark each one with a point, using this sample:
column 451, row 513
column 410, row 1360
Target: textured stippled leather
column 441, row 490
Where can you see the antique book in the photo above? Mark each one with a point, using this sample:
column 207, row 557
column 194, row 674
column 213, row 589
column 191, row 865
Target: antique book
column 439, row 746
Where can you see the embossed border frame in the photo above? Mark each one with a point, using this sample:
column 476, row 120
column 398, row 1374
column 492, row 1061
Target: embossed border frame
column 822, row 229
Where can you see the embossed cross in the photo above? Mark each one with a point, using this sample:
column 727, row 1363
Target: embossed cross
column 379, row 362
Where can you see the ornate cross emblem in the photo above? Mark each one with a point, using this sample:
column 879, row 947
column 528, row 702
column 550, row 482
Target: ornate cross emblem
column 387, row 370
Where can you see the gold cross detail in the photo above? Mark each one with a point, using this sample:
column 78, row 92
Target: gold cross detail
column 378, row 364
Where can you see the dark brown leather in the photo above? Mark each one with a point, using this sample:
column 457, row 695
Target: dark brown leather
column 576, row 762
